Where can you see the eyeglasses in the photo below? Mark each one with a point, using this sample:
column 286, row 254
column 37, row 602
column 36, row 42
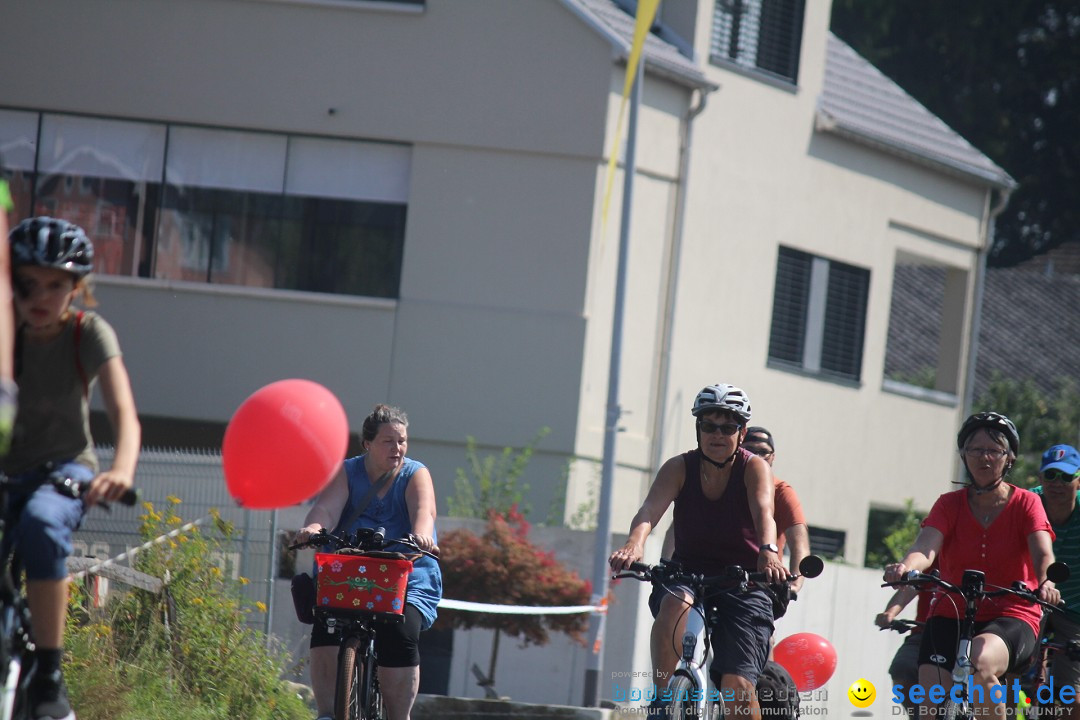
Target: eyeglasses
column 708, row 427
column 1059, row 476
column 762, row 452
column 992, row 453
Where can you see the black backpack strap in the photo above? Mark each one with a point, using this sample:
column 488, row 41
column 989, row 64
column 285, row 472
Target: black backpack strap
column 366, row 500
column 78, row 360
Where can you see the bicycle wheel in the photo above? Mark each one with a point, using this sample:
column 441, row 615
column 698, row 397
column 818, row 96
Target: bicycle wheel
column 683, row 703
column 370, row 696
column 956, row 711
column 347, row 692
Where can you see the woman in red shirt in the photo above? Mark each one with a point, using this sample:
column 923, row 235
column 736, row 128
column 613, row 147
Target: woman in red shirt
column 992, row 526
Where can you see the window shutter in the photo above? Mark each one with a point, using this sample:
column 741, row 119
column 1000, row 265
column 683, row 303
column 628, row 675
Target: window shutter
column 845, row 320
column 789, row 306
column 761, row 35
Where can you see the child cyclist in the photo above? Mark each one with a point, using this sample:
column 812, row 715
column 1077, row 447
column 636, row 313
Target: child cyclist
column 59, row 353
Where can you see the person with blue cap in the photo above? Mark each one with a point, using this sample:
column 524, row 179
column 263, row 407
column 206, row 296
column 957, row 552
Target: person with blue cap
column 1061, row 481
column 1060, row 471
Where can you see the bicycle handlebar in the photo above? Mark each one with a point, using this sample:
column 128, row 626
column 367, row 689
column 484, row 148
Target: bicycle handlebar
column 902, row 626
column 914, row 578
column 77, row 488
column 666, row 572
column 373, row 539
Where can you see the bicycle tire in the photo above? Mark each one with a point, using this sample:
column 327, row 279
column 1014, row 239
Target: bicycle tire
column 682, row 706
column 371, row 700
column 347, row 704
column 956, row 711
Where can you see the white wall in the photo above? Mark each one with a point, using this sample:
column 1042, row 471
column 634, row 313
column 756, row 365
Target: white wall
column 840, row 606
column 761, row 177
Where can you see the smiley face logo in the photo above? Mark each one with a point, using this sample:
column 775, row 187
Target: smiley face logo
column 861, row 693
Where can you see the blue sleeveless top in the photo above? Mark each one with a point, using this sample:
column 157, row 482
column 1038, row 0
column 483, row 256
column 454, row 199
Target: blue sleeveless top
column 391, row 513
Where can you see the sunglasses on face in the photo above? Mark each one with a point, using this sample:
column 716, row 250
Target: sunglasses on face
column 708, row 427
column 1058, row 476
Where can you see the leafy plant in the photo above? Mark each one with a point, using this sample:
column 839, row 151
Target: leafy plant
column 188, row 652
column 1042, row 421
column 890, row 534
column 492, row 482
column 503, row 567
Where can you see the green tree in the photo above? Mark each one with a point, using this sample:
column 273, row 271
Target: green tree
column 492, row 482
column 1041, row 421
column 890, row 534
column 1002, row 73
column 504, row 567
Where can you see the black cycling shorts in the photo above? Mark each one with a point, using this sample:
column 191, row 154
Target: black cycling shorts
column 396, row 644
column 942, row 634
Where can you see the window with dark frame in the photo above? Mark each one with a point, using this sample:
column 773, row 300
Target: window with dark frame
column 762, row 36
column 232, row 207
column 819, row 315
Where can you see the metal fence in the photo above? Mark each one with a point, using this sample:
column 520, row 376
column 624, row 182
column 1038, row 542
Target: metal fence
column 197, row 480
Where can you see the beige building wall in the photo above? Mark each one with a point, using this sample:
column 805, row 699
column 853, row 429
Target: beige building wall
column 506, row 136
column 503, row 324
column 763, row 176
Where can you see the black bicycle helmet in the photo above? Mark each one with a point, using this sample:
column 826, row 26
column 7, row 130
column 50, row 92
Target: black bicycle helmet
column 48, row 242
column 991, row 421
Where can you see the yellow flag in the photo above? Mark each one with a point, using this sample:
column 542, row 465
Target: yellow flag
column 646, row 13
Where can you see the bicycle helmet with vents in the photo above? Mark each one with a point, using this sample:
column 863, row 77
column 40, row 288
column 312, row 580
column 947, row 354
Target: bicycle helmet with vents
column 989, row 421
column 722, row 397
column 49, row 242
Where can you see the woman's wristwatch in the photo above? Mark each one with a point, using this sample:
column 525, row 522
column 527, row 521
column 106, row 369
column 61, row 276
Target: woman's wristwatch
column 771, row 547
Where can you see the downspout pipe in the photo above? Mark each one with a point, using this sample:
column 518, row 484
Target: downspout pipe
column 674, row 261
column 977, row 299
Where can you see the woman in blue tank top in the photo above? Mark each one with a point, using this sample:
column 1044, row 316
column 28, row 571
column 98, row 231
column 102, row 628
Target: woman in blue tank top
column 405, row 506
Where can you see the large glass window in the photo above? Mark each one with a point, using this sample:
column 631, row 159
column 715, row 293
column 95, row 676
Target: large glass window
column 217, row 206
column 819, row 315
column 102, row 175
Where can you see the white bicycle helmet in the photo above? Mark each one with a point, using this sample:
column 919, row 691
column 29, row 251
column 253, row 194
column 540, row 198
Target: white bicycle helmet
column 722, row 397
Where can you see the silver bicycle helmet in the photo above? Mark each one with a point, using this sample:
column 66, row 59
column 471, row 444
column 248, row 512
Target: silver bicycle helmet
column 48, row 242
column 990, row 421
column 722, row 397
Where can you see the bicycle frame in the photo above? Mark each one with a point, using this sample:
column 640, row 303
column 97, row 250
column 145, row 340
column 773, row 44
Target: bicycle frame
column 973, row 590
column 14, row 626
column 16, row 644
column 689, row 691
column 972, row 586
column 356, row 691
column 694, row 662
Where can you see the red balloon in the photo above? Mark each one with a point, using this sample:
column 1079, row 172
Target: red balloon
column 810, row 659
column 284, row 444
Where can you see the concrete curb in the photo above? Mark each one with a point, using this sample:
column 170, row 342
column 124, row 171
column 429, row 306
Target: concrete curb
column 429, row 707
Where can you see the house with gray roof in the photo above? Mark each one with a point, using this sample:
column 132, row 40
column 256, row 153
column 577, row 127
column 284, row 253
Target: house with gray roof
column 408, row 202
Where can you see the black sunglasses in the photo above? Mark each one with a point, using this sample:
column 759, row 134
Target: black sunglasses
column 1058, row 476
column 708, row 427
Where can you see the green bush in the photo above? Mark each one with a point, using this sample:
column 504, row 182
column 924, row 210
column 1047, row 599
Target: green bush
column 188, row 652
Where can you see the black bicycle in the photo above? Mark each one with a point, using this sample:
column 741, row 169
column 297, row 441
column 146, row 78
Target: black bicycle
column 1034, row 678
column 356, row 694
column 16, row 635
column 688, row 694
column 974, row 589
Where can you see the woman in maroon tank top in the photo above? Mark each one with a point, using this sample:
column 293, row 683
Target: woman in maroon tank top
column 723, row 497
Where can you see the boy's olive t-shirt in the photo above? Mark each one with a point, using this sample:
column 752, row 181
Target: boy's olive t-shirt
column 53, row 421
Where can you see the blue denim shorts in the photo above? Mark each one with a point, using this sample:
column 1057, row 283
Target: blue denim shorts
column 43, row 521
